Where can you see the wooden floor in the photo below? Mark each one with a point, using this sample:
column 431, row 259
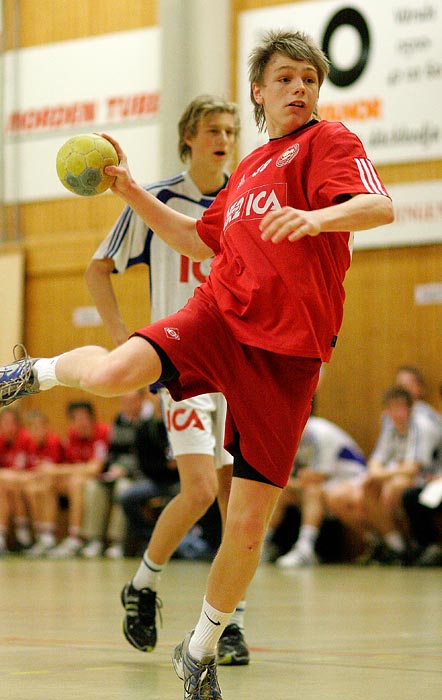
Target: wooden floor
column 330, row 632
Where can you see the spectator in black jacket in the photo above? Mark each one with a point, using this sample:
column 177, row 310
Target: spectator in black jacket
column 138, row 446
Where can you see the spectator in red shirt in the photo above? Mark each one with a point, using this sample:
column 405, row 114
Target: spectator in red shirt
column 84, row 455
column 46, row 450
column 15, row 465
column 46, row 445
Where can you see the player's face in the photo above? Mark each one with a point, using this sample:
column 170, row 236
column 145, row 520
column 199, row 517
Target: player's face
column 408, row 381
column 289, row 94
column 83, row 423
column 9, row 425
column 214, row 140
column 399, row 412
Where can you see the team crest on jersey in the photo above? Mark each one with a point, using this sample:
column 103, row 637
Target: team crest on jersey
column 173, row 333
column 288, row 155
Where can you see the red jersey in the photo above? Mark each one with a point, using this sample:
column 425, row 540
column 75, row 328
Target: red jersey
column 76, row 449
column 16, row 454
column 50, row 450
column 287, row 297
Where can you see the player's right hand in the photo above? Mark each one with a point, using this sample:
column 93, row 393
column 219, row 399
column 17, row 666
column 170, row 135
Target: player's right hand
column 123, row 178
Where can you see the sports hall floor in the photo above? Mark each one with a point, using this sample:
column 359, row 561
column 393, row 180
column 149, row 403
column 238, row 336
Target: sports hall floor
column 346, row 632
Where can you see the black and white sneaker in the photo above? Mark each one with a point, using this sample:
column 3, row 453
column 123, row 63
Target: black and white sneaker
column 200, row 679
column 232, row 647
column 17, row 379
column 139, row 624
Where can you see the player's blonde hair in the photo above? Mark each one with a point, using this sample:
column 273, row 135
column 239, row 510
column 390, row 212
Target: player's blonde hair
column 297, row 46
column 201, row 107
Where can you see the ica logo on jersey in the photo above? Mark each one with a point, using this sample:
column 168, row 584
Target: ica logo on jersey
column 182, row 418
column 257, row 202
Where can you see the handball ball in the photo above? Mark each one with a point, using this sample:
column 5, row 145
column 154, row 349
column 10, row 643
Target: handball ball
column 81, row 161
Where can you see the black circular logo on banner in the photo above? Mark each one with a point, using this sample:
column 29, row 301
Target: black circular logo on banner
column 353, row 18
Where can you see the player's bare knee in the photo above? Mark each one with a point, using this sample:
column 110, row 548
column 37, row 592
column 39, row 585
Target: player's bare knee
column 203, row 497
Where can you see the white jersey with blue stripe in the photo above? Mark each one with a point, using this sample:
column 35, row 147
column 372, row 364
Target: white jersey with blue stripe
column 429, row 422
column 173, row 277
column 418, row 445
column 327, row 449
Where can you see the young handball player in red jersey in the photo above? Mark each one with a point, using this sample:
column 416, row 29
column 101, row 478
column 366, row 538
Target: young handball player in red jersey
column 263, row 322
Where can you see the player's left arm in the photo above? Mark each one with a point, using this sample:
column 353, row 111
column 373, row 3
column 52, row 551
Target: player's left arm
column 98, row 279
column 360, row 212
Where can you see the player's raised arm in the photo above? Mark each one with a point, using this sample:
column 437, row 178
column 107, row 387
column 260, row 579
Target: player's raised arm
column 176, row 229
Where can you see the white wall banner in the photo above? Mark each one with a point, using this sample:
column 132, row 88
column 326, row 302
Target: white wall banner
column 385, row 81
column 418, row 217
column 107, row 83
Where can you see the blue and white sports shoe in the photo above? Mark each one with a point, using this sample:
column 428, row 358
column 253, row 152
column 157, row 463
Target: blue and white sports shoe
column 200, row 679
column 18, row 379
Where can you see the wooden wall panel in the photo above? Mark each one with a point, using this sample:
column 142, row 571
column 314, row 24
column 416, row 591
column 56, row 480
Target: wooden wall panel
column 33, row 22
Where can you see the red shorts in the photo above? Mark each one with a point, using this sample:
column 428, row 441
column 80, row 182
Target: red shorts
column 268, row 395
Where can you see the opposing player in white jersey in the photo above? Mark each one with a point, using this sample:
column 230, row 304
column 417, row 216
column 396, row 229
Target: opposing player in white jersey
column 207, row 131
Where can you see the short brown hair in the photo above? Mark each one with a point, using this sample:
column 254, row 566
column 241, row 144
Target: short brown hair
column 201, row 107
column 297, row 46
column 397, row 393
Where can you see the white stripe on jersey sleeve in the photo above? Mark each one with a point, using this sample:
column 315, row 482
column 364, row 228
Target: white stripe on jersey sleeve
column 369, row 176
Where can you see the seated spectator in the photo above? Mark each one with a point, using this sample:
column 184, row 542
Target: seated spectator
column 45, row 450
column 327, row 457
column 15, row 468
column 160, row 475
column 423, row 506
column 84, row 456
column 104, row 521
column 403, row 457
column 410, row 378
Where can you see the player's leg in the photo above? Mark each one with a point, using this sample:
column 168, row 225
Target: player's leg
column 250, row 507
column 189, row 426
column 265, row 430
column 96, row 370
column 139, row 597
column 232, row 647
column 130, row 366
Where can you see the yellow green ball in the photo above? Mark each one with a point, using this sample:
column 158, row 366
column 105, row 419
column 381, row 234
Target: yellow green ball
column 81, row 161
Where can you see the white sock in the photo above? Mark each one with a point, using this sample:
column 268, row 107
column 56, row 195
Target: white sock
column 74, row 540
column 45, row 371
column 47, row 539
column 148, row 574
column 238, row 615
column 208, row 630
column 395, row 541
column 308, row 534
column 23, row 535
